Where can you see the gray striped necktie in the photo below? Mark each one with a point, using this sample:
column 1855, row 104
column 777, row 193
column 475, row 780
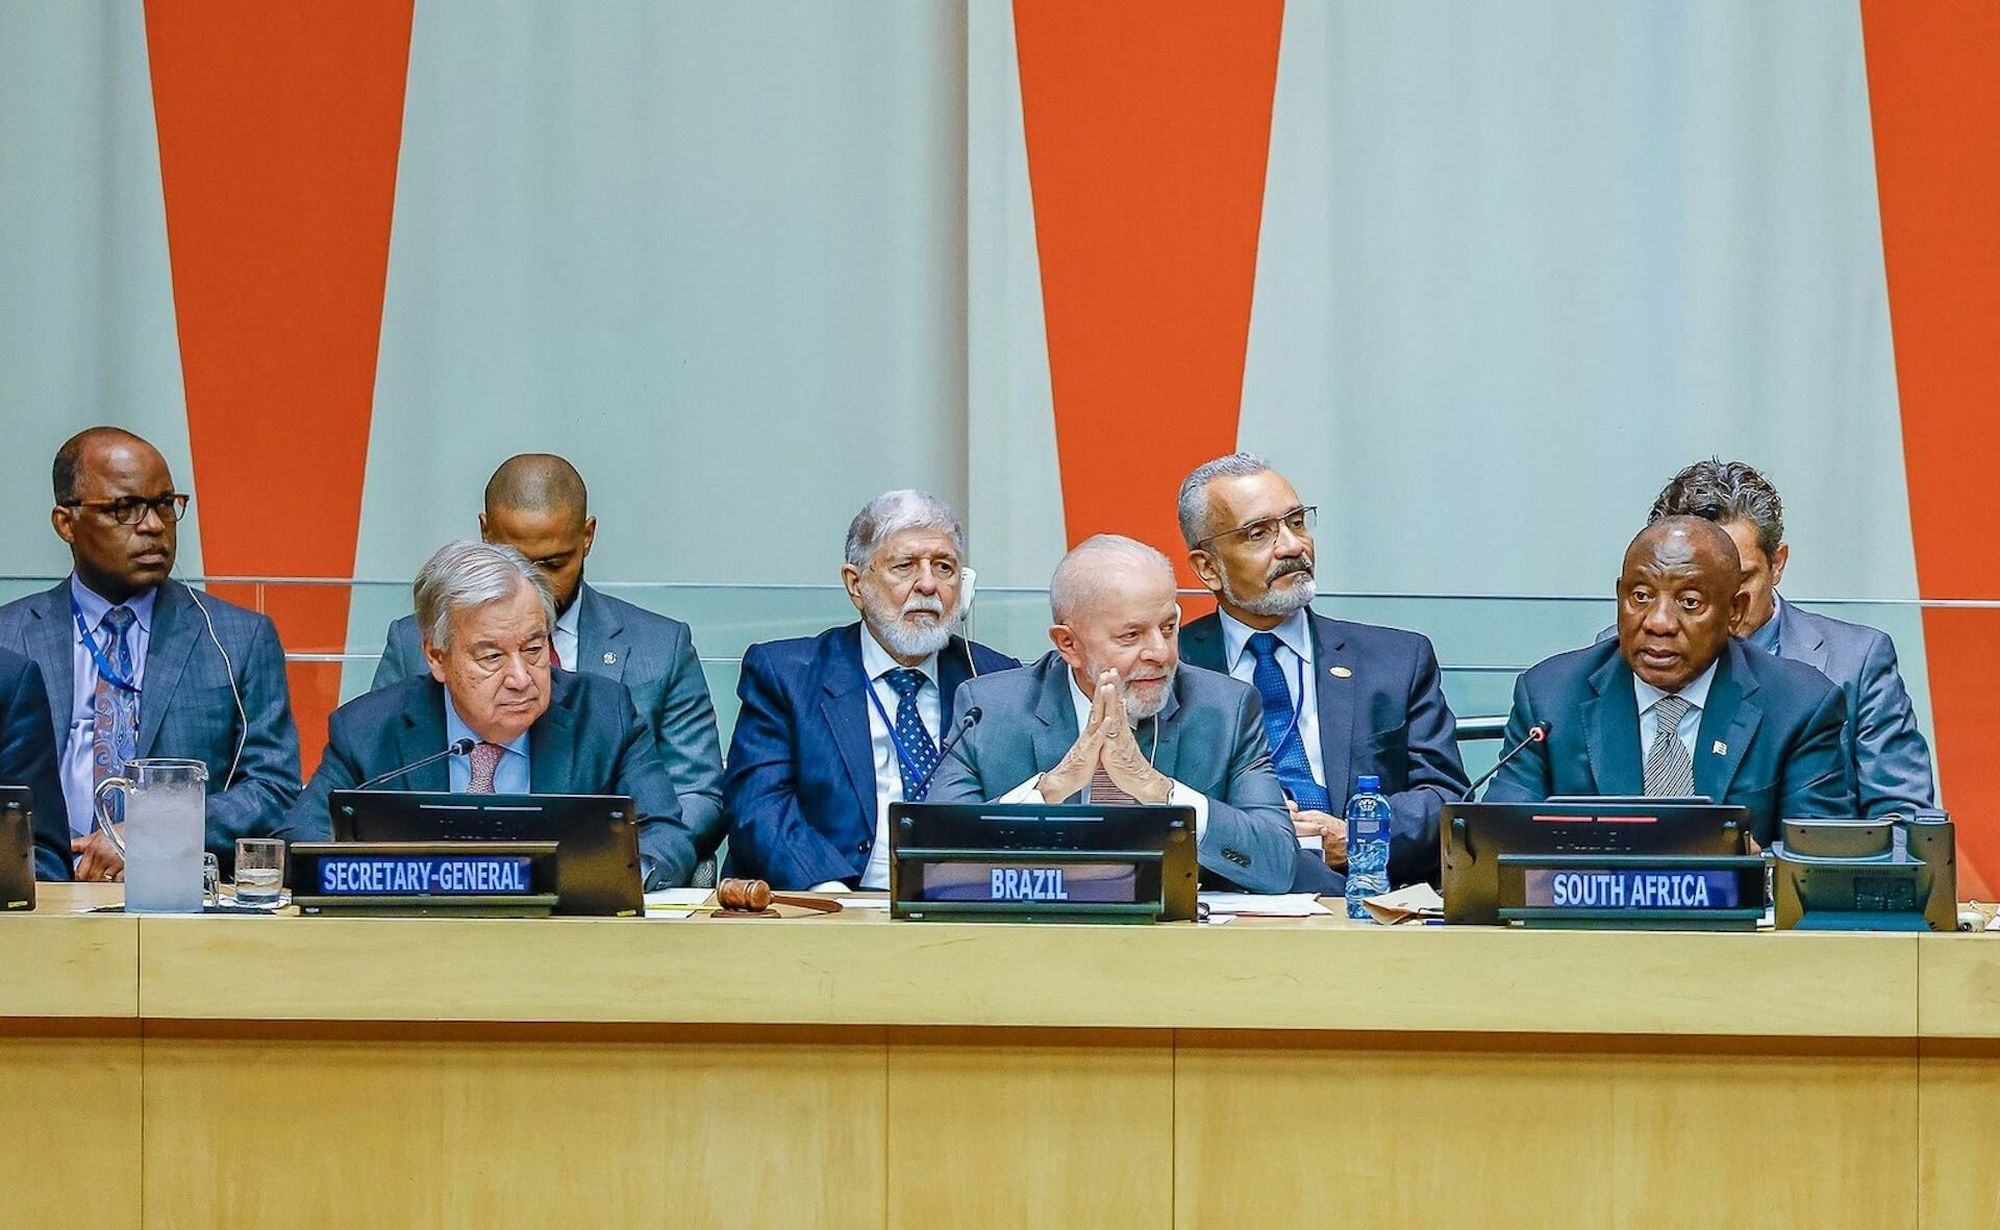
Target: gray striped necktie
column 1669, row 768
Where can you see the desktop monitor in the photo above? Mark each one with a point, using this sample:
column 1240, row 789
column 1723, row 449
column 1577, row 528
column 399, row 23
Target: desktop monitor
column 1484, row 843
column 596, row 835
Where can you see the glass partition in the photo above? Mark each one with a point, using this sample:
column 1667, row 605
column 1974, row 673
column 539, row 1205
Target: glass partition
column 1483, row 641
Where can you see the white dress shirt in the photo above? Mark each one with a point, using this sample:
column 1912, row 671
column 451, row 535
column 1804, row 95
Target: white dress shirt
column 1180, row 796
column 1295, row 648
column 78, row 773
column 564, row 638
column 876, row 664
column 1695, row 694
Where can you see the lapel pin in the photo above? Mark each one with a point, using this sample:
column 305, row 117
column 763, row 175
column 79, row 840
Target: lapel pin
column 610, row 659
column 1720, row 748
column 1340, row 672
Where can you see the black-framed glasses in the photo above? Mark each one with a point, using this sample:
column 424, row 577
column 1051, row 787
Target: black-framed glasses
column 131, row 509
column 1299, row 521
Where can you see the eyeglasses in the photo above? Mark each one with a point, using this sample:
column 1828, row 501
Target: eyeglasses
column 131, row 510
column 1299, row 521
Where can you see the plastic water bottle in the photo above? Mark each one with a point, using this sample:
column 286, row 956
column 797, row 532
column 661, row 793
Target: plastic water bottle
column 1367, row 844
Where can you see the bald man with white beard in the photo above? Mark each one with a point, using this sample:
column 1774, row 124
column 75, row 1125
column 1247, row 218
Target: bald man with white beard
column 1109, row 716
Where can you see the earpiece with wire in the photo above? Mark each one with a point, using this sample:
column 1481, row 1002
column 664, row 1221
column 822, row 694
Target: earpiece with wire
column 235, row 693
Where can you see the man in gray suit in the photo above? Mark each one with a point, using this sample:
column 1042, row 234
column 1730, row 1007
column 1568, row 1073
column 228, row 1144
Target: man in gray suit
column 138, row 665
column 1887, row 757
column 537, row 504
column 1111, row 717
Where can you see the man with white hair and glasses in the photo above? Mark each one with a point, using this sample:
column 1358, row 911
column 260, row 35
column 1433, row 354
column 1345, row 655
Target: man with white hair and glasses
column 486, row 616
column 833, row 728
column 1341, row 699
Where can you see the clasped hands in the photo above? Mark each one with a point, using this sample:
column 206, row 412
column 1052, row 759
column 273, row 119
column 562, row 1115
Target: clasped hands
column 1106, row 740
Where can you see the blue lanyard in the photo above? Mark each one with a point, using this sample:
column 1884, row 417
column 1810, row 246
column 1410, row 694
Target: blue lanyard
column 1298, row 712
column 910, row 770
column 104, row 669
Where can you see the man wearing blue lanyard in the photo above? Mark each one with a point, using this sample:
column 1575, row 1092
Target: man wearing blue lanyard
column 833, row 728
column 1341, row 699
column 137, row 664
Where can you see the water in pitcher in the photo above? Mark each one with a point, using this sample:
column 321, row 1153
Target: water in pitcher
column 163, row 833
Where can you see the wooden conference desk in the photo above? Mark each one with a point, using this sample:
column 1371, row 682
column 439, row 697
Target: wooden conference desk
column 849, row 1071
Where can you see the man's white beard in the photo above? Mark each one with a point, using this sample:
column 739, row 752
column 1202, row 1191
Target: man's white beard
column 906, row 640
column 1277, row 601
column 1137, row 708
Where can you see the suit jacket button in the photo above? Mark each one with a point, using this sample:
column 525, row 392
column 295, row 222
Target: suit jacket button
column 864, row 846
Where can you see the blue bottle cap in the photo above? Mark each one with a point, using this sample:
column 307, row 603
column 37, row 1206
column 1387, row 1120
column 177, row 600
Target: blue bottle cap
column 1367, row 783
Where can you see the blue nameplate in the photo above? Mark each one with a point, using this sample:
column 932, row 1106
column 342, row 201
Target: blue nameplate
column 995, row 882
column 458, row 875
column 1606, row 888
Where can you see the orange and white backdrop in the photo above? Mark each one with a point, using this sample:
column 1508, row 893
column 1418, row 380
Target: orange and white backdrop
column 1479, row 276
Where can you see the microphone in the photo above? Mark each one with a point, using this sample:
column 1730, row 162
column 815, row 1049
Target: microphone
column 461, row 748
column 951, row 742
column 1538, row 733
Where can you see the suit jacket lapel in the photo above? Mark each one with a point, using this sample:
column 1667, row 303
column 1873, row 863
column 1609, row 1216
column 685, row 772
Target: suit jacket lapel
column 1729, row 720
column 1611, row 717
column 1055, row 717
column 1800, row 641
column 175, row 628
column 1202, row 644
column 599, row 632
column 552, row 745
column 1166, row 751
column 1336, row 697
column 844, row 707
column 52, row 642
column 421, row 735
column 952, row 671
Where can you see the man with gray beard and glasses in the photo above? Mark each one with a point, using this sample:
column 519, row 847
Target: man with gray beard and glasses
column 1340, row 699
column 835, row 727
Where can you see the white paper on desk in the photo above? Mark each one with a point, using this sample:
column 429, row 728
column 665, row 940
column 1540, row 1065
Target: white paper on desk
column 870, row 902
column 1406, row 904
column 676, row 902
column 1264, row 905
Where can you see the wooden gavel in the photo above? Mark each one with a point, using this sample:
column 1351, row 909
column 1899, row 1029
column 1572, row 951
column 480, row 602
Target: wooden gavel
column 753, row 898
column 747, row 896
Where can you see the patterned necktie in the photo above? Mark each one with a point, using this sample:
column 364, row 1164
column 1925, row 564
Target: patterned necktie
column 1104, row 790
column 1669, row 769
column 1288, row 745
column 919, row 754
column 115, row 709
column 485, row 762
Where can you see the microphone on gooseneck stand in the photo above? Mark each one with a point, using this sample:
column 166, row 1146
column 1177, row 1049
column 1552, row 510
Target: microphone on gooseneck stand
column 462, row 747
column 951, row 742
column 1538, row 733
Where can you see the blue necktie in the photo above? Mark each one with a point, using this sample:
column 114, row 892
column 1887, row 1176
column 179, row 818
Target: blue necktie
column 114, row 709
column 1288, row 757
column 919, row 754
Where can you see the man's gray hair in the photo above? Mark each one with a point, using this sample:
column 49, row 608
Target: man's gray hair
column 1193, row 503
column 1079, row 578
column 1724, row 491
column 892, row 512
column 469, row 573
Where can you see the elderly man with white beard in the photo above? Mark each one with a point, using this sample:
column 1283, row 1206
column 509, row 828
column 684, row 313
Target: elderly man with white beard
column 833, row 728
column 1109, row 717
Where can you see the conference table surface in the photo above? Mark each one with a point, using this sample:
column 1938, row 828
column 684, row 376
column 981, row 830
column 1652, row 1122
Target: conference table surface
column 898, row 1073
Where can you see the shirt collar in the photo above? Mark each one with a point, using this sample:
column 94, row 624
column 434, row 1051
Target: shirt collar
column 567, row 621
column 1293, row 634
column 1695, row 693
column 456, row 729
column 96, row 606
column 876, row 662
column 1766, row 637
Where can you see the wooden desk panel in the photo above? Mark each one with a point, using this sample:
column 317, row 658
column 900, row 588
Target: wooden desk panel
column 1959, row 977
column 1563, row 1131
column 477, row 1126
column 60, row 962
column 69, row 1134
column 860, row 968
